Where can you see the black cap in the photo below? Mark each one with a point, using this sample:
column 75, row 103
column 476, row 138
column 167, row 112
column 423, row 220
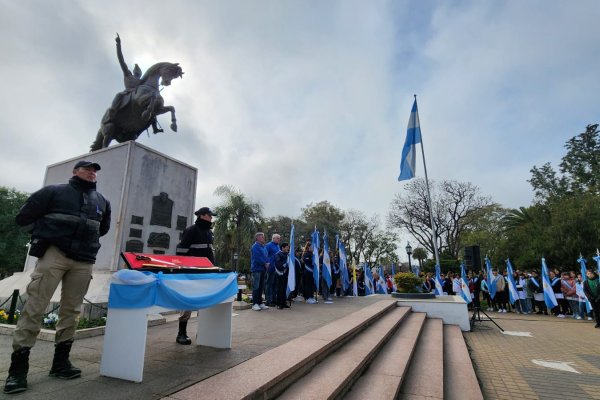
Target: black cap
column 83, row 163
column 204, row 211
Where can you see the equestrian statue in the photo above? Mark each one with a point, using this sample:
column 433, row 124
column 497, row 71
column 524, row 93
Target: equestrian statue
column 135, row 109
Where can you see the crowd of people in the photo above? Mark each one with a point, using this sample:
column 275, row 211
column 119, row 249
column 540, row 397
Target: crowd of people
column 270, row 270
column 577, row 295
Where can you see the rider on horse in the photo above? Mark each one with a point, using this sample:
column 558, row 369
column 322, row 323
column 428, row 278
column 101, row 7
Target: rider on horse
column 131, row 81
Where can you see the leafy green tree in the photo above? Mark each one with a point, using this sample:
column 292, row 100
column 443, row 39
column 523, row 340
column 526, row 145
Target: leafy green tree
column 579, row 169
column 237, row 221
column 323, row 215
column 12, row 239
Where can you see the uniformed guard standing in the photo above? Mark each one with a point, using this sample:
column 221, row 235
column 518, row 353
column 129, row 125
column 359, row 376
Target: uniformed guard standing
column 196, row 241
column 65, row 222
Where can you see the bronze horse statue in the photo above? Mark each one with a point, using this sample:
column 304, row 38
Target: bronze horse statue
column 134, row 110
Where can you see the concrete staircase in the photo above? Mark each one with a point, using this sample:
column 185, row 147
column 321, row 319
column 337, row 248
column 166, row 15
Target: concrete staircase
column 380, row 352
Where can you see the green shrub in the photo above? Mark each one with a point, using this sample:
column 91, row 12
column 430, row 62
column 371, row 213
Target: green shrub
column 407, row 282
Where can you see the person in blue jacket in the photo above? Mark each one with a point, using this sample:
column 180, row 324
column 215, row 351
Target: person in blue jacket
column 259, row 262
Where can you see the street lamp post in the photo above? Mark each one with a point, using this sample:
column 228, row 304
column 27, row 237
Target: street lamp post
column 236, row 257
column 409, row 252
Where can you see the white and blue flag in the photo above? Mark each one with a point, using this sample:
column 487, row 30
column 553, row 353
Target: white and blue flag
column 326, row 260
column 409, row 151
column 381, row 284
column 438, row 281
column 315, row 244
column 465, row 293
column 369, row 287
column 549, row 297
column 597, row 259
column 491, row 282
column 343, row 266
column 512, row 285
column 581, row 293
column 291, row 261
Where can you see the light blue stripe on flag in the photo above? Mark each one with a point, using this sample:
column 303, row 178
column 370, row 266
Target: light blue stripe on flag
column 512, row 285
column 549, row 297
column 597, row 259
column 291, row 261
column 409, row 151
column 369, row 287
column 315, row 244
column 343, row 266
column 465, row 293
column 438, row 281
column 491, row 282
column 588, row 305
column 326, row 260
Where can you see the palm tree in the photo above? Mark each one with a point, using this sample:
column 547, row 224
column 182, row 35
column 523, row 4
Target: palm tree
column 236, row 224
column 420, row 254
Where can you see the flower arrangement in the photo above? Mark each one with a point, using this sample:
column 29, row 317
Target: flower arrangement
column 50, row 321
column 4, row 316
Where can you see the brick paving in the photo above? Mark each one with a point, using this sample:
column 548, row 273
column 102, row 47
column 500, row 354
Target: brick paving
column 504, row 365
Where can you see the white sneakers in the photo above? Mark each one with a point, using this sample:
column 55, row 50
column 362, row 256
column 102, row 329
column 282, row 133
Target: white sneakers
column 578, row 317
column 256, row 307
column 264, row 307
column 298, row 298
column 311, row 301
column 560, row 316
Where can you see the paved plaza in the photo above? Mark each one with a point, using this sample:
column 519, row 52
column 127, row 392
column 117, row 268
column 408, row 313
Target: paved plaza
column 503, row 363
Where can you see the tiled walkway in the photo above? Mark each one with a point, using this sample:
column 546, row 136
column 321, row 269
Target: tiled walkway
column 505, row 363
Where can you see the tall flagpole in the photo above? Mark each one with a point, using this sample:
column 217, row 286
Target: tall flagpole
column 434, row 236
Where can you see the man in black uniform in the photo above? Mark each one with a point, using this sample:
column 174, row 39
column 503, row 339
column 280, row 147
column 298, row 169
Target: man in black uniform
column 65, row 222
column 196, row 241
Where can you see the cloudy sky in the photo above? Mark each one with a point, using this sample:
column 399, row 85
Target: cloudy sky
column 294, row 102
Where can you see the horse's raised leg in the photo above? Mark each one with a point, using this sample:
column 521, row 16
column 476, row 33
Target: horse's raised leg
column 171, row 109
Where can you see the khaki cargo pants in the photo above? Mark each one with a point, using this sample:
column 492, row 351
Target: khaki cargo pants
column 50, row 270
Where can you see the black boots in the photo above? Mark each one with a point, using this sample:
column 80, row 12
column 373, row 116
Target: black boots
column 17, row 373
column 61, row 366
column 182, row 337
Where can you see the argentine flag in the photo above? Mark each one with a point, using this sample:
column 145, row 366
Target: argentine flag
column 409, row 151
column 597, row 259
column 369, row 287
column 491, row 282
column 343, row 266
column 549, row 297
column 512, row 285
column 381, row 284
column 354, row 281
column 438, row 281
column 291, row 261
column 315, row 244
column 465, row 293
column 326, row 261
column 588, row 305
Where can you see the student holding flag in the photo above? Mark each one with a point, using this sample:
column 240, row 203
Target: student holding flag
column 591, row 288
column 281, row 270
column 549, row 297
column 308, row 286
column 585, row 308
column 535, row 284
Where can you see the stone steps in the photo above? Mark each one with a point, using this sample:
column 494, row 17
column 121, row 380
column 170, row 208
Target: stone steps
column 380, row 352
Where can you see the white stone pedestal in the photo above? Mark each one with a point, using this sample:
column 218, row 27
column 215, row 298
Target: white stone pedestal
column 132, row 178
